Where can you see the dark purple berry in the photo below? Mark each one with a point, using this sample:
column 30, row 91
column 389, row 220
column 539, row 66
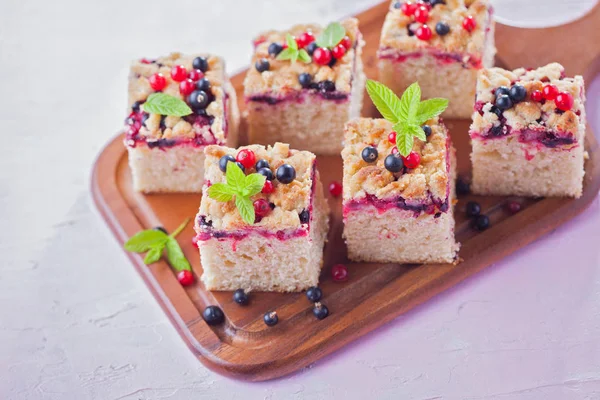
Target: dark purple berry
column 198, row 100
column 224, row 160
column 393, row 163
column 503, row 102
column 314, row 294
column 213, row 315
column 267, row 173
column 369, row 154
column 241, row 297
column 462, row 187
column 200, row 63
column 326, row 86
column 481, row 222
column 271, row 318
column 310, row 49
column 203, row 84
column 275, row 49
column 305, row 79
column 320, row 311
column 260, row 164
column 304, row 216
column 501, row 90
column 285, row 173
column 442, row 28
column 473, row 209
column 427, row 130
column 262, row 65
column 517, row 93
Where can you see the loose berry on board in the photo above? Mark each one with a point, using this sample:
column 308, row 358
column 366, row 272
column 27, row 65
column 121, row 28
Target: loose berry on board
column 261, row 207
column 339, row 273
column 473, row 209
column 305, row 80
column 442, row 28
column 275, row 49
column 178, row 73
column 157, row 82
column 186, row 86
column 241, row 297
column 408, row 8
column 305, row 39
column 224, row 160
column 393, row 163
column 412, row 160
column 549, row 92
column 536, row 95
column 285, row 173
column 203, row 84
column 268, row 187
column 322, row 56
column 517, row 93
column 185, row 277
column 320, row 311
column 462, row 187
column 369, row 154
column 423, row 32
column 392, row 137
column 267, row 173
column 564, row 101
column 421, row 14
column 200, row 63
column 346, row 42
column 335, row 188
column 469, row 23
column 338, row 51
column 513, row 206
column 213, row 315
column 246, row 157
column 195, row 75
column 481, row 222
column 314, row 293
column 271, row 318
column 262, row 65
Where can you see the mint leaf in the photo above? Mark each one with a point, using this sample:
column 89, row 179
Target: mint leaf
column 253, row 184
column 221, row 192
column 235, row 177
column 430, row 109
column 304, row 57
column 286, row 54
column 332, row 35
column 145, row 240
column 176, row 257
column 404, row 138
column 164, row 104
column 291, row 42
column 386, row 101
column 409, row 102
column 418, row 132
column 245, row 208
column 154, row 254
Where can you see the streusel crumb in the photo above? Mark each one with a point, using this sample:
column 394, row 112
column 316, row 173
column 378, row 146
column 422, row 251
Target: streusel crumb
column 288, row 200
column 362, row 178
column 282, row 77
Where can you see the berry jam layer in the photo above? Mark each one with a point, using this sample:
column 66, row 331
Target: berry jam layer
column 431, row 206
column 441, row 57
column 301, row 97
column 536, row 137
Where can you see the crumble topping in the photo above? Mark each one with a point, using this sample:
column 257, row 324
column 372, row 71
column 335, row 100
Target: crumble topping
column 398, row 32
column 528, row 114
column 282, row 77
column 287, row 200
column 362, row 178
column 207, row 128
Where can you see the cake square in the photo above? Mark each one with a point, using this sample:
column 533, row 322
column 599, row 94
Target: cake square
column 443, row 54
column 166, row 152
column 400, row 217
column 282, row 250
column 528, row 133
column 304, row 104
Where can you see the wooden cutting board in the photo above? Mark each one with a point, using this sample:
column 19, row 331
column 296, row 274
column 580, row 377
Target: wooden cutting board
column 244, row 347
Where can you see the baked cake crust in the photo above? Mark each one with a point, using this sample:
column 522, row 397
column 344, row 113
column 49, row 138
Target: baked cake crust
column 282, row 77
column 361, row 179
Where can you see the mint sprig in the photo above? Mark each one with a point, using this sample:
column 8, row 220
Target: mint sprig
column 332, row 35
column 154, row 242
column 164, row 104
column 292, row 52
column 407, row 113
column 239, row 187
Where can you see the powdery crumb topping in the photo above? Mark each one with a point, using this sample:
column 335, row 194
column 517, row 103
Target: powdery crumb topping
column 362, row 178
column 528, row 113
column 289, row 199
column 282, row 77
column 176, row 127
column 395, row 36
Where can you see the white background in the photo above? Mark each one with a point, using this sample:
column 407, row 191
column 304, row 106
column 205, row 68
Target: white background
column 76, row 322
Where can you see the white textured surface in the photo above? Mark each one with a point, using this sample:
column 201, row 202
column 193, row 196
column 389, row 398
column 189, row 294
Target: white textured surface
column 76, row 322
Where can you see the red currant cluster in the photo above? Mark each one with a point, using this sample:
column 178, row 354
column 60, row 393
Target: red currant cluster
column 412, row 160
column 420, row 10
column 187, row 80
column 563, row 100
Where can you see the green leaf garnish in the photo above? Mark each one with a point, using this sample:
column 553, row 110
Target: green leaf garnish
column 292, row 52
column 239, row 187
column 154, row 242
column 164, row 104
column 407, row 113
column 332, row 35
